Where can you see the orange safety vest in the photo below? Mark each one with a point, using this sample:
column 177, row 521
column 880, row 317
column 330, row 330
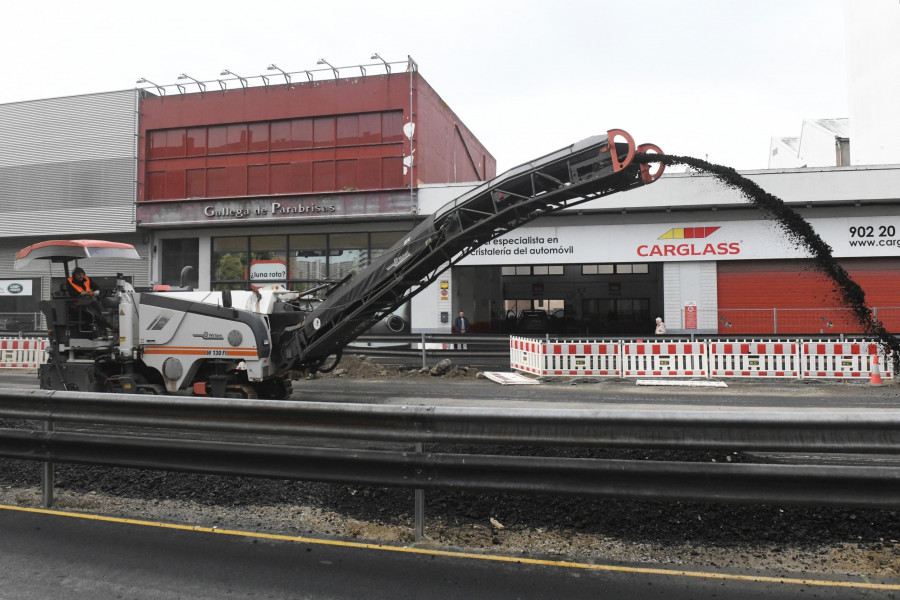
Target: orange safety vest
column 87, row 284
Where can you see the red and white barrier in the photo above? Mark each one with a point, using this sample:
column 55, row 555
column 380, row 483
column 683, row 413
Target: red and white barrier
column 526, row 355
column 665, row 359
column 853, row 359
column 598, row 359
column 754, row 359
column 22, row 353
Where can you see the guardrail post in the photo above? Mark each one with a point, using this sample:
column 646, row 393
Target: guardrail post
column 47, row 474
column 419, row 519
column 423, row 350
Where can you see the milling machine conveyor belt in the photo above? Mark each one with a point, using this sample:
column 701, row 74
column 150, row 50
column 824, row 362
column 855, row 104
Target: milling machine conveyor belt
column 575, row 174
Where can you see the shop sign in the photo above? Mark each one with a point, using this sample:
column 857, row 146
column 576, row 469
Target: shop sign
column 268, row 270
column 749, row 239
column 690, row 315
column 15, row 287
column 274, row 209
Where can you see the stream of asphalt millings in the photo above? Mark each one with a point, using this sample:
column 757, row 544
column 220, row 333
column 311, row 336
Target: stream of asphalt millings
column 799, row 232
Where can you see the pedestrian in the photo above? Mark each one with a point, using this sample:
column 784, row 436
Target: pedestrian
column 461, row 324
column 660, row 326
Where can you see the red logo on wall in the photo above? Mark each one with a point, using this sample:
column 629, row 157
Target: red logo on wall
column 689, row 248
column 688, row 233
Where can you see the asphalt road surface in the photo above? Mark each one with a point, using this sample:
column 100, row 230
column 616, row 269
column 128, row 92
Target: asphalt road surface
column 48, row 556
column 583, row 392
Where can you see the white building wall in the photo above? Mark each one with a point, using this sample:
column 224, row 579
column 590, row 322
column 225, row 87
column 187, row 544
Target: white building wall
column 873, row 79
column 690, row 282
column 820, row 185
column 427, row 307
column 68, row 165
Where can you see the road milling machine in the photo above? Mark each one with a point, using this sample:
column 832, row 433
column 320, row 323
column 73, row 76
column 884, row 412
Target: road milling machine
column 251, row 344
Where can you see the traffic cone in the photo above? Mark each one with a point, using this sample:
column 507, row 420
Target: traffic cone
column 875, row 373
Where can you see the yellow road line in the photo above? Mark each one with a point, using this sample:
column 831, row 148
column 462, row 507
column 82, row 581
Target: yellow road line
column 467, row 555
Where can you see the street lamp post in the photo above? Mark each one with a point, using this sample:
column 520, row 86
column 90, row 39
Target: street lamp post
column 322, row 61
column 272, row 67
column 376, row 56
column 199, row 83
column 159, row 88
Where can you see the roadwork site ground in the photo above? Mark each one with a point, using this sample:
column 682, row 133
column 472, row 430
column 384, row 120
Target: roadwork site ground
column 791, row 541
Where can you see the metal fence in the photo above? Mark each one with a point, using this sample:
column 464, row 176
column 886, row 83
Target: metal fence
column 799, row 321
column 385, row 445
column 15, row 322
column 737, row 321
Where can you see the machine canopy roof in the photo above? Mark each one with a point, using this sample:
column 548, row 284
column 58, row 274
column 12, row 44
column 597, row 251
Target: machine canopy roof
column 65, row 250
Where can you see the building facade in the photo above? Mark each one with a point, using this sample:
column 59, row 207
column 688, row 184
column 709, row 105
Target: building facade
column 692, row 251
column 67, row 170
column 295, row 183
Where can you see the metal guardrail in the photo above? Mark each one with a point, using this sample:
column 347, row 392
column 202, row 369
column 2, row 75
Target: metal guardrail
column 486, row 347
column 387, row 448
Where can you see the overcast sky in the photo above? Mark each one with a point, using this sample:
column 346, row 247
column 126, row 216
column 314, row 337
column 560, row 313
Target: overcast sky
column 714, row 79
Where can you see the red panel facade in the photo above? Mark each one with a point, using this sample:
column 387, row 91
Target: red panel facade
column 448, row 151
column 305, row 138
column 804, row 298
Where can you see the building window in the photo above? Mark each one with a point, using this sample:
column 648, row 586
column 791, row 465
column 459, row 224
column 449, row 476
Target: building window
column 308, row 260
column 382, row 241
column 268, row 261
column 297, row 262
column 347, row 253
column 249, row 147
column 618, row 269
column 229, row 263
column 524, row 270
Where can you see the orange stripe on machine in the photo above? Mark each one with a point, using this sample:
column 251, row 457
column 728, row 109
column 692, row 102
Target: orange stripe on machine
column 201, row 351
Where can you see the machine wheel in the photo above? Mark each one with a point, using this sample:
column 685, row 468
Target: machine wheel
column 275, row 388
column 241, row 391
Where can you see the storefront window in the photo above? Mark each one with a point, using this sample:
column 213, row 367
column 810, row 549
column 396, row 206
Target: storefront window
column 347, row 252
column 307, row 259
column 383, row 240
column 268, row 261
column 297, row 262
column 229, row 262
column 178, row 253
